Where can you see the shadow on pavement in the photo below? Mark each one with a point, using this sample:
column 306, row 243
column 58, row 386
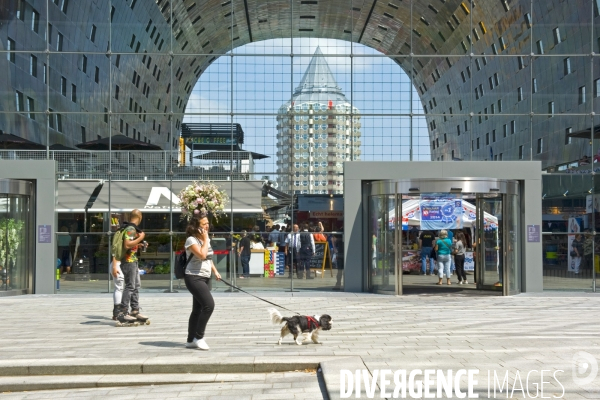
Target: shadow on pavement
column 162, row 344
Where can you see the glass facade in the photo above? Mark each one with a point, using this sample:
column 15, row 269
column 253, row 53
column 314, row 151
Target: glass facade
column 442, row 80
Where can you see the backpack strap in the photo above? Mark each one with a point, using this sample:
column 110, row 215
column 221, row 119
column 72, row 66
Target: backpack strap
column 188, row 260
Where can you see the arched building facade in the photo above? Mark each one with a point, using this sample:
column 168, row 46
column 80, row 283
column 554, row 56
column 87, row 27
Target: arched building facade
column 500, row 80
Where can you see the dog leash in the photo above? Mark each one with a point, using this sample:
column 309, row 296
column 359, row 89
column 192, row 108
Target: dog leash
column 266, row 301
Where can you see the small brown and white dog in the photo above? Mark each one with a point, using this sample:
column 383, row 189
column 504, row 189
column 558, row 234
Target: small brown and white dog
column 301, row 325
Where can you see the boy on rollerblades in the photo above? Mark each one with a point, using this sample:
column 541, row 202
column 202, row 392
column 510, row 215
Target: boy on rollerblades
column 132, row 239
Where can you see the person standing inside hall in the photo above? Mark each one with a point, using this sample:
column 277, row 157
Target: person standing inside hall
column 443, row 248
column 306, row 252
column 292, row 249
column 245, row 253
column 64, row 251
column 426, row 244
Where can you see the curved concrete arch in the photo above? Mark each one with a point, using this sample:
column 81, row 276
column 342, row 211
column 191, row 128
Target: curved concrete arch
column 155, row 50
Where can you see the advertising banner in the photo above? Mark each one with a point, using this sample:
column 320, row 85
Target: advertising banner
column 441, row 211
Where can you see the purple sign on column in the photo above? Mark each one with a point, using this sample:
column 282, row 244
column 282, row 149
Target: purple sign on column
column 533, row 233
column 44, row 233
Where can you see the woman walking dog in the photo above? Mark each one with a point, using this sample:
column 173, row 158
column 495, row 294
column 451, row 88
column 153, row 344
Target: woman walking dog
column 197, row 276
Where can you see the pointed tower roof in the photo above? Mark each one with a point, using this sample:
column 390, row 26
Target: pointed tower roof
column 318, row 77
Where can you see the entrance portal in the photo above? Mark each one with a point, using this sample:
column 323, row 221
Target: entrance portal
column 406, row 218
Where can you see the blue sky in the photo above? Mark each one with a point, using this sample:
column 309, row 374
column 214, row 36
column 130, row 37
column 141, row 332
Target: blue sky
column 262, row 83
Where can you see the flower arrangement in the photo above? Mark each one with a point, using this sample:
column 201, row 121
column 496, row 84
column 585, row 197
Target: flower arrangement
column 202, row 198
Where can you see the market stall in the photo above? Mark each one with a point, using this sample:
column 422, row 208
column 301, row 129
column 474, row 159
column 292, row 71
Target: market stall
column 411, row 217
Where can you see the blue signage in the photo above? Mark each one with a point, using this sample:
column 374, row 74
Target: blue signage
column 441, row 211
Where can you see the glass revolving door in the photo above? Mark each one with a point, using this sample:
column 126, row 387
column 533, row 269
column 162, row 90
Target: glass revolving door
column 16, row 250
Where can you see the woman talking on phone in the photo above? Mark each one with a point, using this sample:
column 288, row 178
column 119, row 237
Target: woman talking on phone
column 197, row 276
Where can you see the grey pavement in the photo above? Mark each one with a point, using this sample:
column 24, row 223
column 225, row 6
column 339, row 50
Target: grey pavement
column 70, row 336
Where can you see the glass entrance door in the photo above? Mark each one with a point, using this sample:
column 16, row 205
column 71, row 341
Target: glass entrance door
column 15, row 238
column 498, row 252
column 382, row 244
column 489, row 263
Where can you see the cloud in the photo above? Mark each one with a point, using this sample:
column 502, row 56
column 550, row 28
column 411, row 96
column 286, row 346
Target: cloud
column 199, row 104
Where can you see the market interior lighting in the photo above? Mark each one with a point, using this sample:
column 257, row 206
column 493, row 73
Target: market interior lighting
column 591, row 190
column 565, row 193
column 543, row 196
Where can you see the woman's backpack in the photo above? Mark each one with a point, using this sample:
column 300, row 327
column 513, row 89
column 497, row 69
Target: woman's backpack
column 181, row 264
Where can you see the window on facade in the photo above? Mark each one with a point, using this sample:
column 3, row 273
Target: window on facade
column 556, row 33
column 31, row 107
column 84, row 64
column 93, row 33
column 33, row 65
column 97, row 75
column 117, row 92
column 477, row 143
column 521, row 62
column 35, row 21
column 534, row 85
column 59, row 125
column 513, row 127
column 567, row 137
column 51, row 119
column 10, row 47
column 21, row 10
column 521, row 152
column 487, row 139
column 540, row 47
column 540, row 145
column 567, row 66
column 63, row 86
column 582, row 95
column 494, row 49
column 64, row 5
column 477, row 64
column 493, row 136
column 59, row 42
column 527, row 17
column 502, row 43
column 83, row 134
column 73, row 93
column 519, row 94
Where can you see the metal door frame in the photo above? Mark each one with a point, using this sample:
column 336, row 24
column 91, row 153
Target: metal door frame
column 23, row 188
column 477, row 186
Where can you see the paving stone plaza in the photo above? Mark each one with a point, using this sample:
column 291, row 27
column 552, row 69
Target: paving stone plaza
column 67, row 347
